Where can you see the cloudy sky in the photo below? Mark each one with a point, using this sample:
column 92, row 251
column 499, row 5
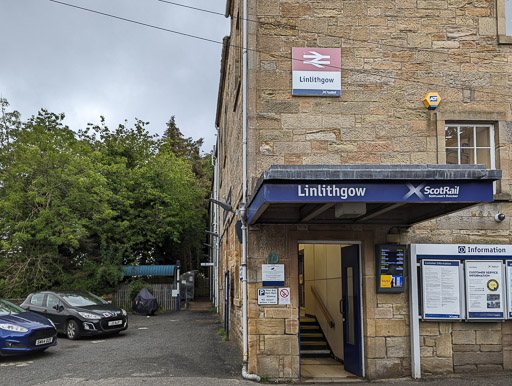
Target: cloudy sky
column 85, row 65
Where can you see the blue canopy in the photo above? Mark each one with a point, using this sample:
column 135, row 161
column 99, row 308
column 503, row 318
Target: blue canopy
column 149, row 270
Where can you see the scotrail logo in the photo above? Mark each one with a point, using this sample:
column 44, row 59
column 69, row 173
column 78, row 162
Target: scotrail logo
column 423, row 190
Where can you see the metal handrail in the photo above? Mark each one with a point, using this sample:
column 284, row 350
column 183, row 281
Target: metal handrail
column 323, row 308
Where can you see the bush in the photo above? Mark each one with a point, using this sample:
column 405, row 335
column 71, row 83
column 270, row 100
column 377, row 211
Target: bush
column 136, row 285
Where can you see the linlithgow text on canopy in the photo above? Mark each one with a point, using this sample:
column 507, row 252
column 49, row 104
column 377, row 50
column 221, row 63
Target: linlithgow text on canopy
column 329, row 191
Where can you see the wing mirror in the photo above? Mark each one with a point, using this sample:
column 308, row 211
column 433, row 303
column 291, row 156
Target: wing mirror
column 59, row 307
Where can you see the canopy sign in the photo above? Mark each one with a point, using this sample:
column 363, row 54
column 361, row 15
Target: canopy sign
column 316, row 71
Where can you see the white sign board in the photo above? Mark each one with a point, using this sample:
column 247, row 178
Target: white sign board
column 441, row 289
column 316, row 71
column 267, row 296
column 272, row 275
column 284, row 295
column 207, row 264
column 485, row 290
column 509, row 286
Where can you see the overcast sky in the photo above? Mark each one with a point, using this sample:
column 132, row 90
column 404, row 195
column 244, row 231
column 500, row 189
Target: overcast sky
column 86, row 65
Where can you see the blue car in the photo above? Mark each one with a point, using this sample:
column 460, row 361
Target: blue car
column 24, row 332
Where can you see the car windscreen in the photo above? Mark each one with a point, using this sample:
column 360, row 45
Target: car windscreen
column 81, row 299
column 8, row 308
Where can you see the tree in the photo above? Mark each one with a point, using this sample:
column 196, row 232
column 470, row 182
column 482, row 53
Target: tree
column 51, row 198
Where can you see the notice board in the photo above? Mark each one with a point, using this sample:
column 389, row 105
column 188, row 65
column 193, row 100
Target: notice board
column 485, row 289
column 390, row 267
column 442, row 289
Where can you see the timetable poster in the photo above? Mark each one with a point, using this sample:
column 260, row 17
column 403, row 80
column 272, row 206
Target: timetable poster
column 441, row 289
column 485, row 290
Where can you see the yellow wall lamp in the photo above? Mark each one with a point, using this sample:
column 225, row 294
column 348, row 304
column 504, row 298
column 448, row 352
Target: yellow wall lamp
column 431, row 100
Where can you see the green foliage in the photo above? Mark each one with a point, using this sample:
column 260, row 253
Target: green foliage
column 136, row 285
column 221, row 332
column 77, row 206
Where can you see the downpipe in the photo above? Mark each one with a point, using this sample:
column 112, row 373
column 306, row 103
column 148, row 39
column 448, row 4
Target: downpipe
column 250, row 377
column 243, row 211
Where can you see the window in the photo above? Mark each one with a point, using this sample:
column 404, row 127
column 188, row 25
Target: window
column 37, row 300
column 504, row 14
column 470, row 144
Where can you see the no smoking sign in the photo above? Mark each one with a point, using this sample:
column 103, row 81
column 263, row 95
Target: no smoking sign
column 284, row 295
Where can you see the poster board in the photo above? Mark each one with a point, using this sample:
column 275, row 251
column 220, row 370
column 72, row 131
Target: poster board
column 509, row 288
column 390, row 268
column 485, row 289
column 442, row 290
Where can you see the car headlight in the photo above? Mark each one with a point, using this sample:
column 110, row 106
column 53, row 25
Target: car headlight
column 123, row 311
column 12, row 327
column 88, row 315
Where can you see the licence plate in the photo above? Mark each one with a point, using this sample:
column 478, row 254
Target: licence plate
column 39, row 342
column 115, row 322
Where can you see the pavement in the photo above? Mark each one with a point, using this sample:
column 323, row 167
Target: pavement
column 178, row 348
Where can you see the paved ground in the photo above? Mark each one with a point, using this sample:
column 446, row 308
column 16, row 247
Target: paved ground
column 180, row 348
column 175, row 348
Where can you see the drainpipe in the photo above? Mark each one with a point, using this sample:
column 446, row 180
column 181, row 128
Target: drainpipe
column 243, row 208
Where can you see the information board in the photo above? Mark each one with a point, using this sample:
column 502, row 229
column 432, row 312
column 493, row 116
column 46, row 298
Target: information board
column 485, row 294
column 509, row 287
column 442, row 289
column 390, row 268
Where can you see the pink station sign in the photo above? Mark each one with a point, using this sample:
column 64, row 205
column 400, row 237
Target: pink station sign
column 316, row 71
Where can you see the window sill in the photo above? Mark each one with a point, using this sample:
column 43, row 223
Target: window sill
column 504, row 39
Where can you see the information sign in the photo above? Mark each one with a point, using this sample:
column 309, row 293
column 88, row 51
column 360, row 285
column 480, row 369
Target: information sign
column 509, row 287
column 390, row 268
column 441, row 289
column 267, row 296
column 272, row 275
column 485, row 290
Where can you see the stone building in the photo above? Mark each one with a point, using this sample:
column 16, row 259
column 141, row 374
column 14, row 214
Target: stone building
column 359, row 142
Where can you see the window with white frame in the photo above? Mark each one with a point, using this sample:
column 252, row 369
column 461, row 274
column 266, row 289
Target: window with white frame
column 504, row 18
column 508, row 17
column 470, row 144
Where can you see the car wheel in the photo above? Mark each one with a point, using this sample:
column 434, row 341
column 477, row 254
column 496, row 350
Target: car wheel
column 72, row 330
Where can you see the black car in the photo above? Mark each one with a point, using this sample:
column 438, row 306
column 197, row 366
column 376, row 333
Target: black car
column 77, row 313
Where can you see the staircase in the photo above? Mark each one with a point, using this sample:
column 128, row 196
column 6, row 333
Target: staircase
column 312, row 340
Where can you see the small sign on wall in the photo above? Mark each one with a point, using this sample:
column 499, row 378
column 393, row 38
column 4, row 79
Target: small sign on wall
column 267, row 296
column 272, row 275
column 284, row 296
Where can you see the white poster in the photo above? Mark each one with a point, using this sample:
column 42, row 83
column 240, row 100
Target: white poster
column 485, row 290
column 441, row 288
column 272, row 275
column 509, row 287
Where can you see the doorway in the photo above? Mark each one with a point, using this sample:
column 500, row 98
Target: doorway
column 330, row 338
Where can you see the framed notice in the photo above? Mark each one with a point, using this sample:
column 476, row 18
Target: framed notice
column 442, row 289
column 267, row 296
column 390, row 268
column 485, row 290
column 509, row 288
column 272, row 275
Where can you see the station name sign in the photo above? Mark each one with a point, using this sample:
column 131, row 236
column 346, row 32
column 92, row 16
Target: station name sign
column 316, row 71
column 383, row 192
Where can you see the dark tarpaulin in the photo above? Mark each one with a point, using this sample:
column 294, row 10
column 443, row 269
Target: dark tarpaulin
column 144, row 303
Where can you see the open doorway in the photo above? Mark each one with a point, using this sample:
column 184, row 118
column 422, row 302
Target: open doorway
column 330, row 336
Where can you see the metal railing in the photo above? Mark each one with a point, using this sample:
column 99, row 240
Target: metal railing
column 323, row 308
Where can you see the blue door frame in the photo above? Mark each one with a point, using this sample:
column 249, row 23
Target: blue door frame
column 226, row 303
column 351, row 299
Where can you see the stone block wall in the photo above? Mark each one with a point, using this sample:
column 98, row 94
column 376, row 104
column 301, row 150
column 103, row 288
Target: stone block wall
column 392, row 54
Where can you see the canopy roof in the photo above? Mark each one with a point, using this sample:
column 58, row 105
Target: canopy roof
column 397, row 195
column 149, row 270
